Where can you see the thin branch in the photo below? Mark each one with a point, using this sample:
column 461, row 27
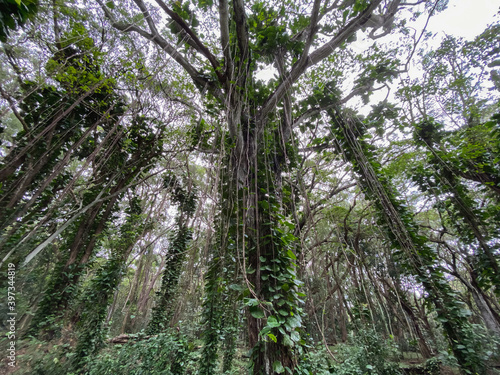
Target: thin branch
column 12, row 106
column 421, row 34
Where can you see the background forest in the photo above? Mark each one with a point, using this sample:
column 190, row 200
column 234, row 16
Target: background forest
column 247, row 187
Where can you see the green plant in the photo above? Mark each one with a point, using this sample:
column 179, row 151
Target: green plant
column 167, row 353
column 367, row 353
column 432, row 366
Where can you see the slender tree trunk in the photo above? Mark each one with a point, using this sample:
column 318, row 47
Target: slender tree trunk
column 489, row 316
column 131, row 297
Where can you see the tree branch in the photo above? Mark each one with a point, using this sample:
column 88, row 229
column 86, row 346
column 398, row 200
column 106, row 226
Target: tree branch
column 315, row 57
column 312, row 32
column 224, row 38
column 241, row 29
column 156, row 38
column 201, row 47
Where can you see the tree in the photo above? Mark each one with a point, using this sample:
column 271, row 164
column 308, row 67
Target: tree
column 308, row 218
column 262, row 120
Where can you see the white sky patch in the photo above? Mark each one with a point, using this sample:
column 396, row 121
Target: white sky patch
column 465, row 18
column 267, row 73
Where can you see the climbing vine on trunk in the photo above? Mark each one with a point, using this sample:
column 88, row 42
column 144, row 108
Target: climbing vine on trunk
column 414, row 255
column 185, row 198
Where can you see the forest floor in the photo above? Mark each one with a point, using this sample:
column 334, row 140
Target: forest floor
column 29, row 353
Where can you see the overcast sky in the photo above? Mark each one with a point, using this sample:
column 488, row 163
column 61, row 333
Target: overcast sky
column 465, row 18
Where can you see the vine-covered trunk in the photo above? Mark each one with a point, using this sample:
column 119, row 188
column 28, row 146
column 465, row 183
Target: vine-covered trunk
column 416, row 257
column 179, row 242
column 66, row 275
column 274, row 316
column 166, row 296
column 90, row 312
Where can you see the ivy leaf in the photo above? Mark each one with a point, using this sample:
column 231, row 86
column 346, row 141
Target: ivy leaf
column 236, row 287
column 287, row 341
column 257, row 312
column 272, row 322
column 278, row 367
column 293, row 322
column 272, row 337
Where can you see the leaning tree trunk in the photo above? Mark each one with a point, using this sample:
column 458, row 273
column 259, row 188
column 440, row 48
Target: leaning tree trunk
column 414, row 254
column 91, row 310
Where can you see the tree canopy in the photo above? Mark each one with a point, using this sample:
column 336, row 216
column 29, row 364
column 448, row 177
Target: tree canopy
column 279, row 187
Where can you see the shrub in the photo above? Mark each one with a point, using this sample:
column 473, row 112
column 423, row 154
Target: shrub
column 165, row 354
column 367, row 353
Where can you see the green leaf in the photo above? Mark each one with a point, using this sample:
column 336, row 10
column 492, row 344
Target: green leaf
column 278, row 367
column 272, row 337
column 272, row 322
column 291, row 255
column 257, row 312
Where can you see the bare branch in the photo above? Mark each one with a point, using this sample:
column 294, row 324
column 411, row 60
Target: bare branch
column 156, row 38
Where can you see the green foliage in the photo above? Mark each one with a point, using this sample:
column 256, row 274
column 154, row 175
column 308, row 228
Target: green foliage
column 432, row 366
column 15, row 13
column 168, row 353
column 315, row 361
column 366, row 353
column 471, row 153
